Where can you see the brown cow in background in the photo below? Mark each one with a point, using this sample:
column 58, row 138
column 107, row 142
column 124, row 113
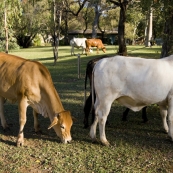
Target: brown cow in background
column 94, row 43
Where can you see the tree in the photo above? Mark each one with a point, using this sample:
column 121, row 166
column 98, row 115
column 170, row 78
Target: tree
column 99, row 6
column 34, row 20
column 57, row 16
column 167, row 47
column 11, row 12
column 100, row 9
column 123, row 4
column 134, row 18
column 164, row 9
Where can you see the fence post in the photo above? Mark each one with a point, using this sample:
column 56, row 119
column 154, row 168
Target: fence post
column 78, row 64
column 78, row 55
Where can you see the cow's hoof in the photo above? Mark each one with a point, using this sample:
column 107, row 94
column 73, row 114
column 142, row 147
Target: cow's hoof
column 105, row 143
column 92, row 134
column 38, row 132
column 20, row 140
column 144, row 121
column 166, row 131
column 20, row 143
column 95, row 141
column 6, row 129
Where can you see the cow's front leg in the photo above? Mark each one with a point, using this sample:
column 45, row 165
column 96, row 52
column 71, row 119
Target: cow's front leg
column 22, row 106
column 170, row 118
column 72, row 50
column 97, row 50
column 163, row 112
column 2, row 117
column 83, row 50
column 87, row 50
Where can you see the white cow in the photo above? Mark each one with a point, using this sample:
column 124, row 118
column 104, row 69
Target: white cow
column 134, row 83
column 78, row 42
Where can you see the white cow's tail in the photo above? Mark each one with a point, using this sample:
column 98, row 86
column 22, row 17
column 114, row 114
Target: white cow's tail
column 93, row 89
column 85, row 88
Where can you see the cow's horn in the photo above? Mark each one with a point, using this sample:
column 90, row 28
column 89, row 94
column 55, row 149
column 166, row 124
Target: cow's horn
column 54, row 122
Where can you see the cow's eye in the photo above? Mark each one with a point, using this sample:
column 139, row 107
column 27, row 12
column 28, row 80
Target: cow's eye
column 62, row 127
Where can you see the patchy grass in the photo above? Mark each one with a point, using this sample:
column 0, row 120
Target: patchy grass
column 135, row 147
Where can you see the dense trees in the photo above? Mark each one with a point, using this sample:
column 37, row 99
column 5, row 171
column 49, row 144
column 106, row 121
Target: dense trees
column 25, row 19
column 167, row 47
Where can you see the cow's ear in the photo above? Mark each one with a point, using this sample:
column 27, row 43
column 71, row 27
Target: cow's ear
column 74, row 119
column 54, row 122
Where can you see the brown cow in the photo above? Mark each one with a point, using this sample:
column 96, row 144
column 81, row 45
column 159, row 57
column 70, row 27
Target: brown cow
column 30, row 84
column 94, row 43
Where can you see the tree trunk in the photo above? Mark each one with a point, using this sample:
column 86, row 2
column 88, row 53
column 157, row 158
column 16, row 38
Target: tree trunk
column 149, row 32
column 167, row 47
column 6, row 28
column 121, row 30
column 95, row 23
column 55, row 49
column 66, row 41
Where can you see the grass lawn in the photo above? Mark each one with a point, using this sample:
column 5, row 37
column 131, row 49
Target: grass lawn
column 135, row 147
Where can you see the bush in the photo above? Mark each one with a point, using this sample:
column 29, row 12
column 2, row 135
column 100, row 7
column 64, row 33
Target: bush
column 11, row 45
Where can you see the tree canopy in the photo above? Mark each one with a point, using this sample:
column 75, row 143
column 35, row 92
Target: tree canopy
column 27, row 19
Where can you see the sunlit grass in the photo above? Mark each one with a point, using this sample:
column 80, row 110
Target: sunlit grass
column 135, row 147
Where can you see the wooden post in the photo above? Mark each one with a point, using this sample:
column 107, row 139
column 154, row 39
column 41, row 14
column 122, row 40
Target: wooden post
column 78, row 60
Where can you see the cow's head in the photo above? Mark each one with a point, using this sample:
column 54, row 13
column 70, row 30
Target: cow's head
column 62, row 123
column 104, row 49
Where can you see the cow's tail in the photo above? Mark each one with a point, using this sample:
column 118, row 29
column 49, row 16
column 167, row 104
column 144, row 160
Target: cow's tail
column 85, row 87
column 92, row 85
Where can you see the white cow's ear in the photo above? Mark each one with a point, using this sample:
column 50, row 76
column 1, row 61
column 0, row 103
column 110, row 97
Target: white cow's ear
column 54, row 122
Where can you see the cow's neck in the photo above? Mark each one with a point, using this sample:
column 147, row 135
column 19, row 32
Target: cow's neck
column 49, row 104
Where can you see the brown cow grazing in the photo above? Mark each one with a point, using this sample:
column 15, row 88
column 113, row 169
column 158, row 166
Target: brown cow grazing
column 94, row 43
column 30, row 84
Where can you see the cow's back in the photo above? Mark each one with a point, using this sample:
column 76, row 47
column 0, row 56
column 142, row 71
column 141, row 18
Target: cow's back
column 21, row 76
column 94, row 42
column 79, row 42
column 135, row 78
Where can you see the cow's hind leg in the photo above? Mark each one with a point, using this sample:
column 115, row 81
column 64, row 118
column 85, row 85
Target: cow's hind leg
column 36, row 124
column 144, row 114
column 87, row 109
column 102, row 118
column 72, row 50
column 3, row 121
column 125, row 113
column 22, row 106
column 101, row 112
column 94, row 124
column 93, row 129
column 163, row 113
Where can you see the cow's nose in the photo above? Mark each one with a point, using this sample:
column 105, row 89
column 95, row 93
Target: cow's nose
column 65, row 141
column 69, row 140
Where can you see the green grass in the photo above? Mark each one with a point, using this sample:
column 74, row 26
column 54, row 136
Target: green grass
column 135, row 147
